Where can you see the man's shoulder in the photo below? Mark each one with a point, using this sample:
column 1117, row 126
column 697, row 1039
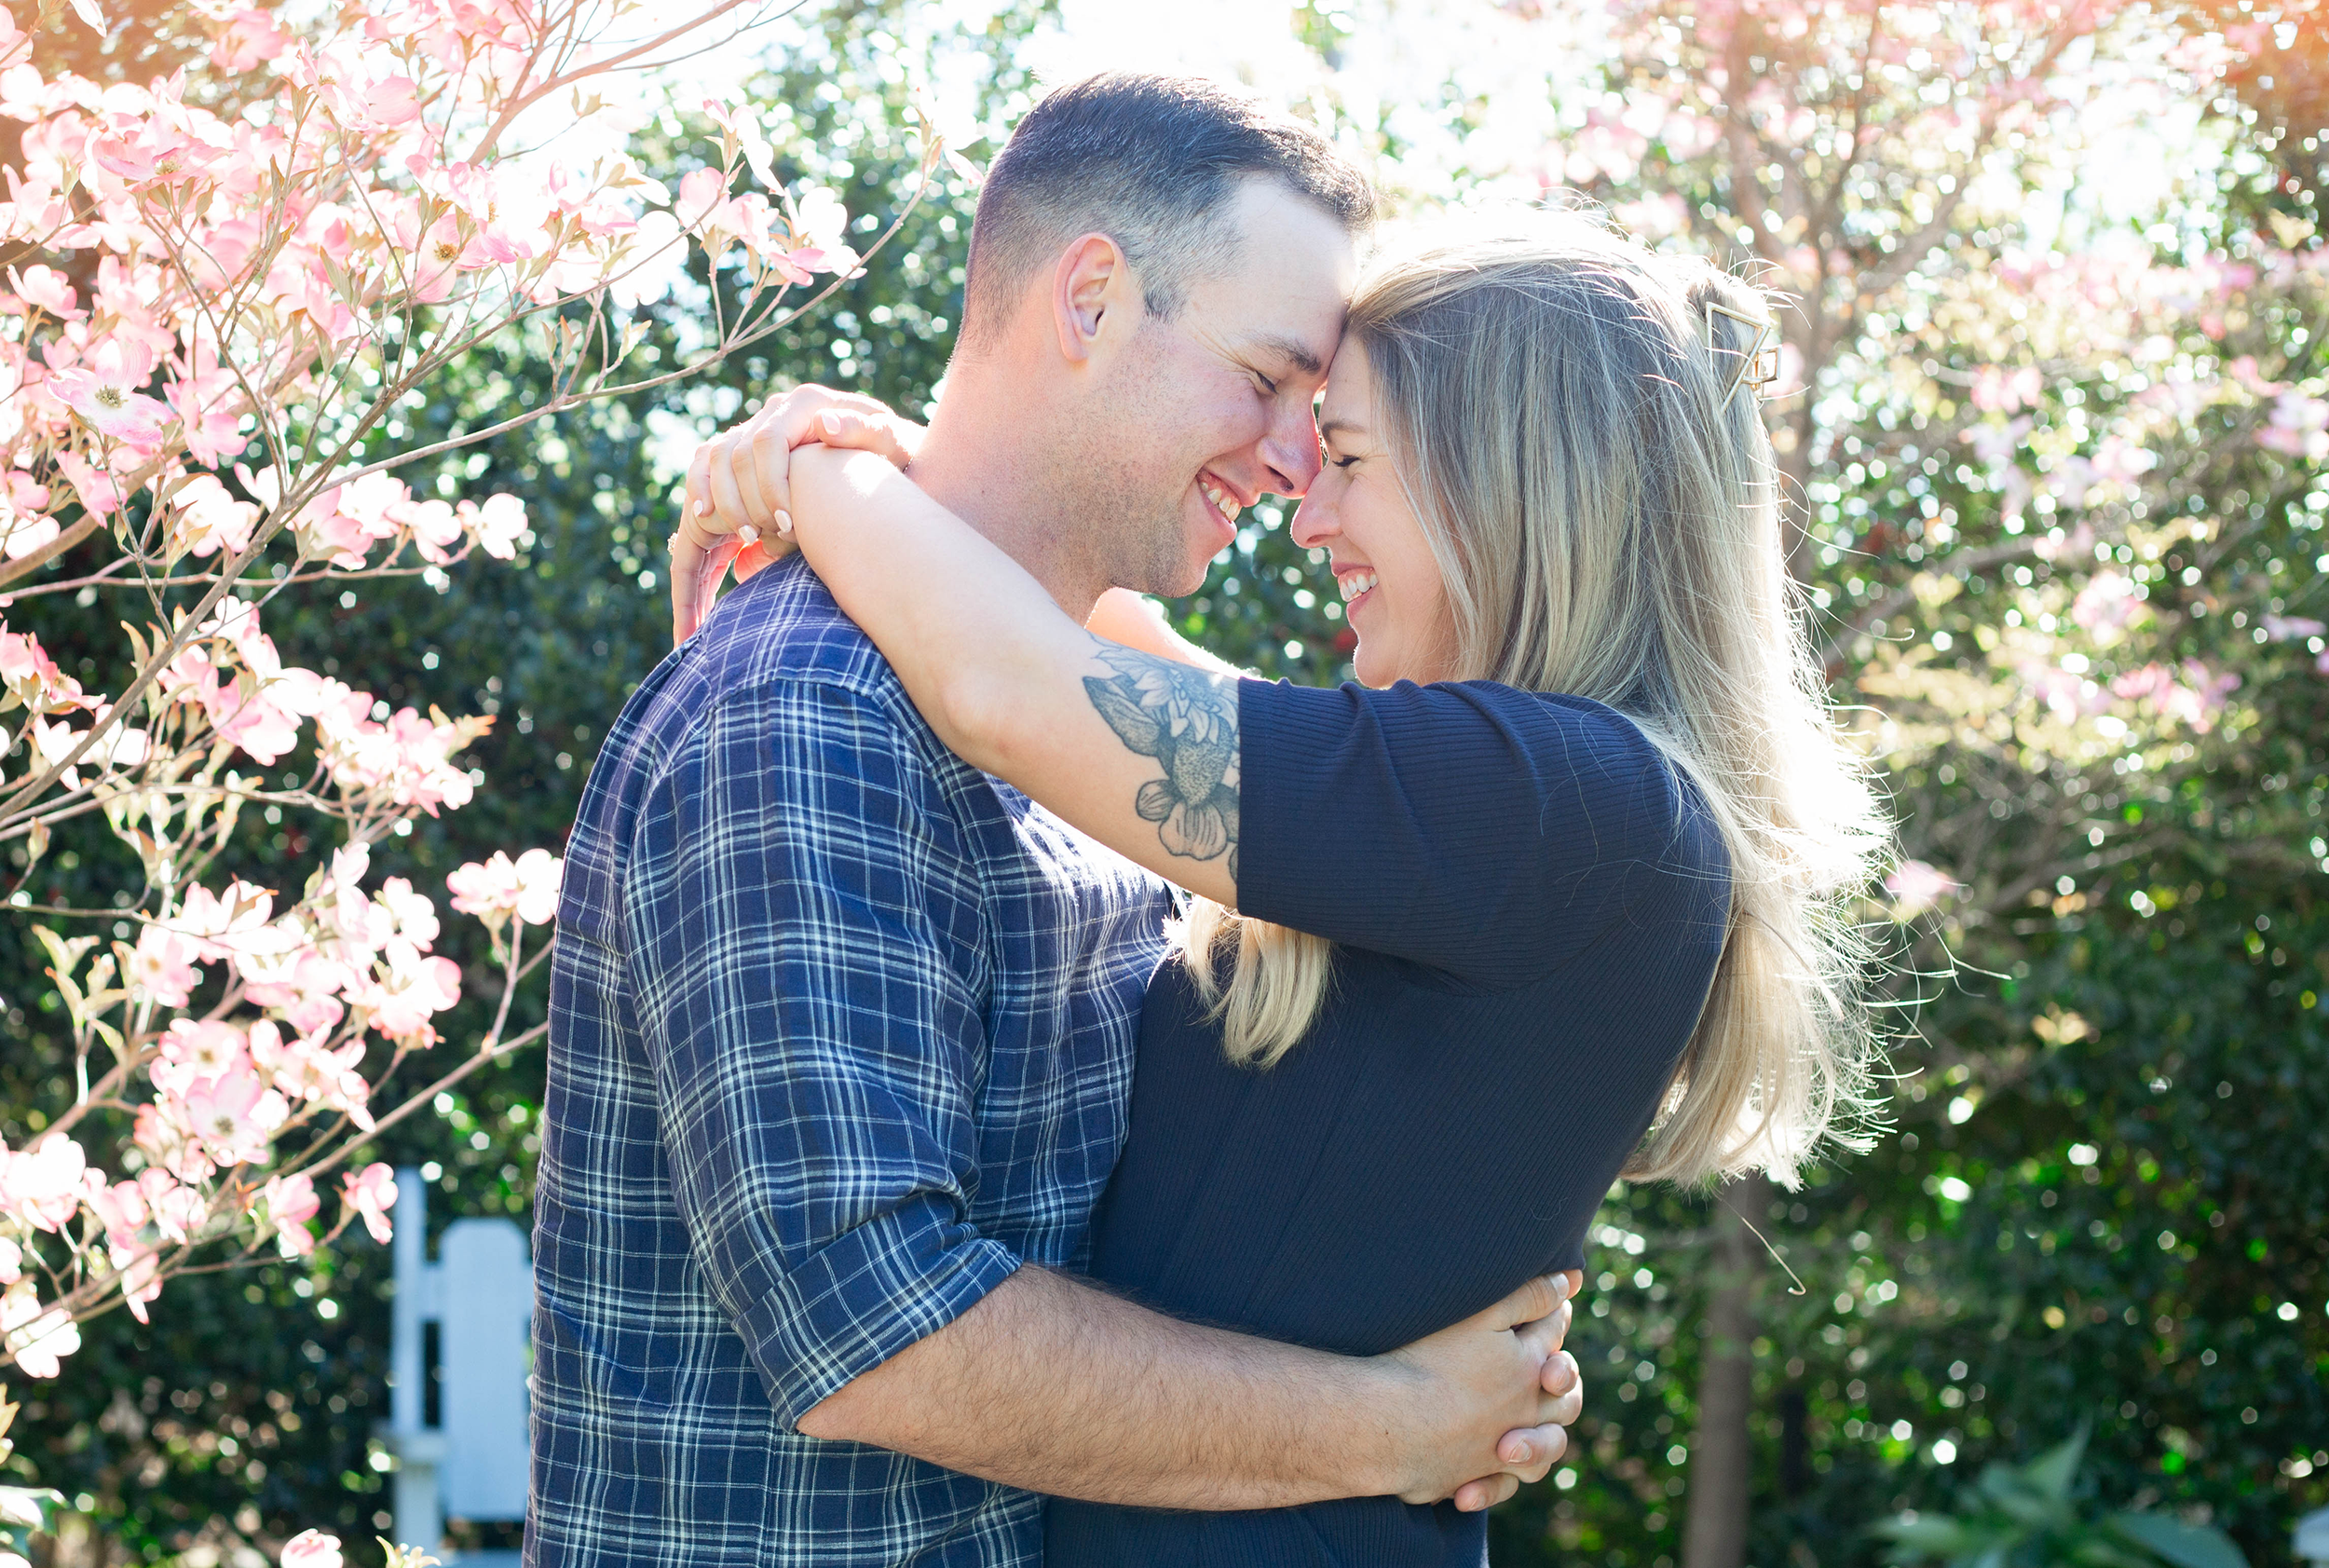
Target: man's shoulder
column 781, row 631
column 784, row 625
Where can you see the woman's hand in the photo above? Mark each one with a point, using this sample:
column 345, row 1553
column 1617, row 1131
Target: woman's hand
column 738, row 505
column 1497, row 1382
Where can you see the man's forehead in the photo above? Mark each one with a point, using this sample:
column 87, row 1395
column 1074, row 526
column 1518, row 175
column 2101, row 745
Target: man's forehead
column 1290, row 275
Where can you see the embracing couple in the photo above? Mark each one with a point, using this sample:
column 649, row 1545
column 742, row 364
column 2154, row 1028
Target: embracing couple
column 1022, row 1091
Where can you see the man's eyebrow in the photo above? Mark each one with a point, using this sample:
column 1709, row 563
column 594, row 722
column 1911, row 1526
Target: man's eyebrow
column 1291, row 349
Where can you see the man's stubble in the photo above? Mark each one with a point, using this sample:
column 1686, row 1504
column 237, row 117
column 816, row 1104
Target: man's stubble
column 1123, row 478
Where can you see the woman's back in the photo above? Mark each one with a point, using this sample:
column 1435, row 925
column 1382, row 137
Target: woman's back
column 1530, row 905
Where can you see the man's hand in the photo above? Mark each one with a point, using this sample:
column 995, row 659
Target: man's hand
column 1499, row 1371
column 737, row 504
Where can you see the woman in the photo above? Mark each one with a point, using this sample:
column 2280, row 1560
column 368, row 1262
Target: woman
column 1573, row 859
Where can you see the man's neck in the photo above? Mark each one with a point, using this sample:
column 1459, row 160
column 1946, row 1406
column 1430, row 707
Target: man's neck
column 986, row 470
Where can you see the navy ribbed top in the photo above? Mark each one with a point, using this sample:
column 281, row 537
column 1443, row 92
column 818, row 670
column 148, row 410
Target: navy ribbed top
column 1529, row 904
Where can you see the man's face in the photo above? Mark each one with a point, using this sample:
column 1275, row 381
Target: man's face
column 1200, row 415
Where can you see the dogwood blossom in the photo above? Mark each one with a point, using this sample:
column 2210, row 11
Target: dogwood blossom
column 372, row 1193
column 37, row 1338
column 496, row 889
column 311, row 1549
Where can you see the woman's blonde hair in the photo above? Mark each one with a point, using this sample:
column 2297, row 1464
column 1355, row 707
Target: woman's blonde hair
column 1572, row 420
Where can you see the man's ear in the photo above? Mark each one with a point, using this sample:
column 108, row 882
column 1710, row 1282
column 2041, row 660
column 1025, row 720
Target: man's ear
column 1091, row 283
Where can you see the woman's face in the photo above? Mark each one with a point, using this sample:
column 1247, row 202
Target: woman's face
column 1357, row 511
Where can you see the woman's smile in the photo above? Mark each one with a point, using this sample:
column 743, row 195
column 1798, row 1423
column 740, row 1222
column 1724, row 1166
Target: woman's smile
column 1359, row 503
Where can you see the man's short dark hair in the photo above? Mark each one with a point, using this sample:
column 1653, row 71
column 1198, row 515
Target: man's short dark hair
column 1152, row 162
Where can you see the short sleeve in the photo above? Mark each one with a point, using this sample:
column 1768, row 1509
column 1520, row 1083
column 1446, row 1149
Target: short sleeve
column 1486, row 832
column 803, row 928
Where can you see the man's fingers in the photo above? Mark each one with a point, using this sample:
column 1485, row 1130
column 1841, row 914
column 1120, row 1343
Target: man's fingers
column 1548, row 1332
column 1530, row 1452
column 1533, row 1302
column 1486, row 1493
column 1560, row 1374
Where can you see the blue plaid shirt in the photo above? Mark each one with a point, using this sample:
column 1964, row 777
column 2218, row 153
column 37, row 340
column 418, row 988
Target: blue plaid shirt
column 841, row 1033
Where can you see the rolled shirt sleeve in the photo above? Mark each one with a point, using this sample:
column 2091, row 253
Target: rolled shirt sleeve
column 807, row 951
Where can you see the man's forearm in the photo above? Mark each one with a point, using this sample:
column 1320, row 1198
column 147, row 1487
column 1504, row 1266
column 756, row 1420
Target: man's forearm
column 1051, row 1385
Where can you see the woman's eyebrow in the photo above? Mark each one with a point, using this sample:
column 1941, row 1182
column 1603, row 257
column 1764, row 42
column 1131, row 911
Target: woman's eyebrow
column 1330, row 429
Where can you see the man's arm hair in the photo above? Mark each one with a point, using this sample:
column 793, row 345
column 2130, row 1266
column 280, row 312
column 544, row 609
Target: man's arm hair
column 1055, row 1385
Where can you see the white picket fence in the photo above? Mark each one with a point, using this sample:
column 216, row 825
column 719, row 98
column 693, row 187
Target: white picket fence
column 472, row 1463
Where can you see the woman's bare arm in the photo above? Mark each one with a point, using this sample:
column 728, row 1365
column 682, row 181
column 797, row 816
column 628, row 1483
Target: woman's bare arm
column 1138, row 623
column 1138, row 750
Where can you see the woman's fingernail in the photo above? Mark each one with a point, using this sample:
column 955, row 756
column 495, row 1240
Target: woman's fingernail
column 784, row 524
column 703, row 509
column 748, row 534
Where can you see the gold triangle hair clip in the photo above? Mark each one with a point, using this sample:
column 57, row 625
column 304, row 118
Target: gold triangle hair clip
column 1759, row 364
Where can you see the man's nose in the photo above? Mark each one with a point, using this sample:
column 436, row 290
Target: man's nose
column 1291, row 451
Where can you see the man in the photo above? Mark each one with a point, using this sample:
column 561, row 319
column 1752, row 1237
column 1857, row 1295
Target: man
column 841, row 1030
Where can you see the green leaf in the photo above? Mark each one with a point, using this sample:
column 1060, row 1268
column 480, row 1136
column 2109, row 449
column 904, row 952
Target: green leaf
column 2185, row 1546
column 1926, row 1535
column 2051, row 1473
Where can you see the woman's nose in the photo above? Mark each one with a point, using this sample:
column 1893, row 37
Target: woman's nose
column 1314, row 520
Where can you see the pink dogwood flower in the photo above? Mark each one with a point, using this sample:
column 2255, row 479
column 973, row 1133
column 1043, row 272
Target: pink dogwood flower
column 42, row 1185
column 136, row 1270
column 372, row 1193
column 111, row 408
column 496, row 889
column 25, row 525
column 38, row 1338
column 498, row 525
column 236, row 1116
column 162, row 967
column 165, row 1136
column 205, row 520
column 289, row 1202
column 311, row 1549
column 193, row 1049
column 411, row 988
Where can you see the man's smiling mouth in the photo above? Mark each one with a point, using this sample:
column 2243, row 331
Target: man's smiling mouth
column 1229, row 506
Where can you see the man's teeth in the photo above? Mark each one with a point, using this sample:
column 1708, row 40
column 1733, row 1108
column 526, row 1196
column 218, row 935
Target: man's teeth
column 1354, row 583
column 1230, row 506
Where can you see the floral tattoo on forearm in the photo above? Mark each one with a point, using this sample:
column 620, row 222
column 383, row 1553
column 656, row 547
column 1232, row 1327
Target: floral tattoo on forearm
column 1186, row 719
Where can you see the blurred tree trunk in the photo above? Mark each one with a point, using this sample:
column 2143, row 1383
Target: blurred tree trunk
column 1722, row 1455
